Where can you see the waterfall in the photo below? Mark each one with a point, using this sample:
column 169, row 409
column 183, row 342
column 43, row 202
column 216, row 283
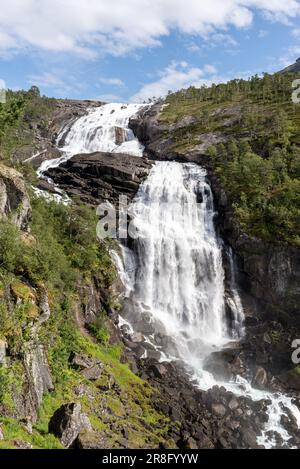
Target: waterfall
column 173, row 276
column 175, row 282
column 104, row 128
column 179, row 276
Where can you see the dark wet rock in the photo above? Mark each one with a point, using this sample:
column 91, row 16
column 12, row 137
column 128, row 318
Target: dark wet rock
column 100, row 177
column 250, row 438
column 67, row 422
column 158, row 369
column 291, row 379
column 120, row 135
column 225, row 364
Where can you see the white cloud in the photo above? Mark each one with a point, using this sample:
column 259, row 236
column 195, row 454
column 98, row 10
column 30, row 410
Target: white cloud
column 118, row 27
column 176, row 76
column 111, row 81
column 296, row 32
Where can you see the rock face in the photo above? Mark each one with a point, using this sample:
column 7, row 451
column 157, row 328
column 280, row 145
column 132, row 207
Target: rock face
column 3, row 351
column 39, row 380
column 157, row 136
column 101, row 176
column 270, row 272
column 14, row 200
column 67, row 422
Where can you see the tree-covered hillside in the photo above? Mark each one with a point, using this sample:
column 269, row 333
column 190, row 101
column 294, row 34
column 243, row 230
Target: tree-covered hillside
column 257, row 157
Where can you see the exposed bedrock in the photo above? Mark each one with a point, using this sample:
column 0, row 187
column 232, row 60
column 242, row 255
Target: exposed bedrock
column 100, row 176
column 14, row 200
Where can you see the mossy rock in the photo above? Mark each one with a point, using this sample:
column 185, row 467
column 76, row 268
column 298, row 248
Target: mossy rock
column 23, row 292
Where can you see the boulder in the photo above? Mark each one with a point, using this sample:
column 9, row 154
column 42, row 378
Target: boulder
column 68, row 422
column 249, row 437
column 158, row 369
column 90, row 368
column 93, row 373
column 260, row 379
column 90, row 440
column 218, row 409
column 81, row 362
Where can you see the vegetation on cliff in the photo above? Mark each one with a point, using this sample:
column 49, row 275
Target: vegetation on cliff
column 257, row 159
column 19, row 116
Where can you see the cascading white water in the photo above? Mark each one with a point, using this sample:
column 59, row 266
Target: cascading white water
column 235, row 300
column 180, row 277
column 98, row 131
column 176, row 277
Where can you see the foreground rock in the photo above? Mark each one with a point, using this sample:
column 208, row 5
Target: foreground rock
column 67, row 422
column 101, row 176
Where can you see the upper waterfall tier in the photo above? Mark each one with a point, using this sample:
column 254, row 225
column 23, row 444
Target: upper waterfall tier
column 102, row 129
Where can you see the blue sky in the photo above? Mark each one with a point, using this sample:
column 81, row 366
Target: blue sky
column 131, row 50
